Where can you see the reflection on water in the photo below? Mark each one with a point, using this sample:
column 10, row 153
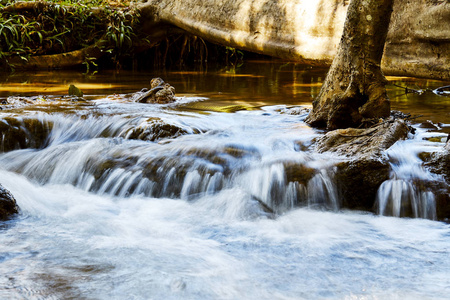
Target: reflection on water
column 254, row 84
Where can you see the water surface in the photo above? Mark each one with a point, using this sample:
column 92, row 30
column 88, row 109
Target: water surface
column 105, row 215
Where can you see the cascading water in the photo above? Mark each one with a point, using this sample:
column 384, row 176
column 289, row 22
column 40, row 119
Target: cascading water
column 137, row 201
column 406, row 194
column 96, row 154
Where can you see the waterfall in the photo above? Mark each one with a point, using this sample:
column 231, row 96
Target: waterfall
column 401, row 198
column 406, row 193
column 160, row 153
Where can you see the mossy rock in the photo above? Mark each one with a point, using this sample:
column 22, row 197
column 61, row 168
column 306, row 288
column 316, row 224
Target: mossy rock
column 74, row 91
column 425, row 156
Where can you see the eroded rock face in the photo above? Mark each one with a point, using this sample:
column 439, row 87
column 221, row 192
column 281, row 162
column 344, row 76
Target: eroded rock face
column 359, row 177
column 309, row 31
column 8, row 205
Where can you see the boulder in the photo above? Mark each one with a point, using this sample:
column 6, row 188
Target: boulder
column 8, row 206
column 365, row 168
column 363, row 143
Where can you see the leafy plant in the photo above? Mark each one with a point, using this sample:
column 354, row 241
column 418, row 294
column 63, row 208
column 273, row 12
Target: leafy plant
column 64, row 26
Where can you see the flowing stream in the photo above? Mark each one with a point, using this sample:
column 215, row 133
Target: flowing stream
column 198, row 200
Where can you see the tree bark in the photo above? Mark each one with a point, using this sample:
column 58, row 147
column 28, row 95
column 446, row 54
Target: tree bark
column 354, row 88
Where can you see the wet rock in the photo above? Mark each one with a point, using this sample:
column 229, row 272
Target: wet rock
column 154, row 130
column 18, row 133
column 298, row 111
column 366, row 168
column 75, row 91
column 357, row 143
column 358, row 181
column 443, row 203
column 440, row 163
column 8, row 205
column 160, row 92
column 298, row 173
column 428, row 125
column 424, row 156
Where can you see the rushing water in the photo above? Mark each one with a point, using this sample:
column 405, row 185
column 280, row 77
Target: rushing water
column 195, row 200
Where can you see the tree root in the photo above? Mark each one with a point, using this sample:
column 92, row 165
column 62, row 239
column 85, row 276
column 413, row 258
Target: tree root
column 57, row 61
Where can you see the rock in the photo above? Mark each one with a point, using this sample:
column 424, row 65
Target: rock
column 417, row 42
column 428, row 125
column 153, row 130
column 359, row 177
column 440, row 163
column 156, row 82
column 298, row 173
column 356, row 143
column 165, row 95
column 8, row 206
column 22, row 133
column 358, row 181
column 74, row 91
column 160, row 92
column 443, row 204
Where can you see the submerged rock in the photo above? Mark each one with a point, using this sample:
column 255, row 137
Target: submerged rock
column 160, row 92
column 8, row 205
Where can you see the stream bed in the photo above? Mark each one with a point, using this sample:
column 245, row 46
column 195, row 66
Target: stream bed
column 197, row 199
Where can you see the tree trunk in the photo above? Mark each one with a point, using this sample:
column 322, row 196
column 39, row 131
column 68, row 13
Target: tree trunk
column 354, row 88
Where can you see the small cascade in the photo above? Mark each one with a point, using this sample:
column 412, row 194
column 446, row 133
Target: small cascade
column 135, row 128
column 322, row 192
column 100, row 154
column 162, row 154
column 401, row 198
column 407, row 193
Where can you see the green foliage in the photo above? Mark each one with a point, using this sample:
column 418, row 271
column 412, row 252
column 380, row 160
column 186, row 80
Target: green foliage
column 234, row 57
column 88, row 62
column 120, row 33
column 63, row 26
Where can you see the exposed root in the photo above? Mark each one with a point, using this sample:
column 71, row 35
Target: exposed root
column 56, row 61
